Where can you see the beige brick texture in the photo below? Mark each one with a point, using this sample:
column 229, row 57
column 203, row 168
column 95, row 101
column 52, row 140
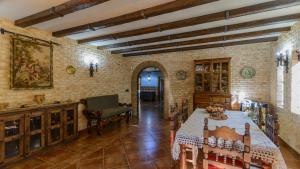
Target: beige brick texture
column 110, row 78
column 289, row 112
column 115, row 72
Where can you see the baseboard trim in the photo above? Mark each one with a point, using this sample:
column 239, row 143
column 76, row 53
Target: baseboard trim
column 292, row 148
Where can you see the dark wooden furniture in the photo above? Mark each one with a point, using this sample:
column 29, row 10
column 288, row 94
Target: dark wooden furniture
column 248, row 10
column 264, row 115
column 24, row 131
column 185, row 110
column 174, row 122
column 148, row 93
column 103, row 110
column 217, row 157
column 272, row 125
column 212, row 82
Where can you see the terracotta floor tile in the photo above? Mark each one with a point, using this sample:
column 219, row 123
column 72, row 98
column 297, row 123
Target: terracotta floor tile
column 26, row 164
column 115, row 160
column 91, row 164
column 143, row 165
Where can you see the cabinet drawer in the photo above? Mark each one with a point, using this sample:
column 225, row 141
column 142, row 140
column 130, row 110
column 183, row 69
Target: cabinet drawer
column 202, row 99
column 201, row 104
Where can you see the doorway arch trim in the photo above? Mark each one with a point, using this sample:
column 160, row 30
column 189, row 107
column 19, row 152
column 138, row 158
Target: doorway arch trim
column 134, row 85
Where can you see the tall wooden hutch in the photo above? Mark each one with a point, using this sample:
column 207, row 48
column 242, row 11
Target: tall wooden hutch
column 212, row 82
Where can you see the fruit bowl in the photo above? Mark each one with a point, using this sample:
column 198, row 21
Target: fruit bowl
column 216, row 112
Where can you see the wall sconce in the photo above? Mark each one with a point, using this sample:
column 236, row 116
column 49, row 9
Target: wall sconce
column 283, row 60
column 93, row 68
column 298, row 54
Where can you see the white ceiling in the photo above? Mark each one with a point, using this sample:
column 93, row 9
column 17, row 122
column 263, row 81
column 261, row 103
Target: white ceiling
column 17, row 9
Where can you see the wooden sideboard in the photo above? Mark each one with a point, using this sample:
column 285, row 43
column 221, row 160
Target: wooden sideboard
column 212, row 82
column 24, row 131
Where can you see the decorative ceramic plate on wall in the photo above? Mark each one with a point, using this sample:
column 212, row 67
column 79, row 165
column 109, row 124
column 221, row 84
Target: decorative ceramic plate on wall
column 248, row 72
column 181, row 75
column 70, row 69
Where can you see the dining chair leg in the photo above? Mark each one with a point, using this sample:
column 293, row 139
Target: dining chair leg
column 172, row 137
column 195, row 156
column 182, row 157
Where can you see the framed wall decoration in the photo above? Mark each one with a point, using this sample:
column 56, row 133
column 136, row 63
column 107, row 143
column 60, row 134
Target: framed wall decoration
column 248, row 72
column 31, row 64
column 181, row 75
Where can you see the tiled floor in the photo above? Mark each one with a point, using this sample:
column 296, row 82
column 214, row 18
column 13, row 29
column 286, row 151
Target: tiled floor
column 136, row 146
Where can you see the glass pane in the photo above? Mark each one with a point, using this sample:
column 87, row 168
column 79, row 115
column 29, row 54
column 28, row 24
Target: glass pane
column 216, row 83
column 35, row 123
column 225, row 67
column 224, row 83
column 55, row 118
column 70, row 129
column 199, row 68
column 206, row 82
column 205, row 67
column 12, row 128
column 55, row 134
column 70, row 115
column 198, row 83
column 12, row 148
column 216, row 67
column 35, row 141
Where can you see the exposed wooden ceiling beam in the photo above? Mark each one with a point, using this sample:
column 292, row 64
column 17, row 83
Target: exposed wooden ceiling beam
column 245, row 25
column 205, row 40
column 57, row 11
column 134, row 16
column 243, row 42
column 263, row 7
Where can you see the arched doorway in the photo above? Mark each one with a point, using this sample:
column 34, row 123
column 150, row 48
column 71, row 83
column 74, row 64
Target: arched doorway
column 135, row 83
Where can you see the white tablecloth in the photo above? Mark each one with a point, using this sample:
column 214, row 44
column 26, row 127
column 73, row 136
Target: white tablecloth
column 191, row 132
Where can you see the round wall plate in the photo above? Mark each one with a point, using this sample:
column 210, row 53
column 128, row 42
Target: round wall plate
column 248, row 72
column 181, row 75
column 70, row 69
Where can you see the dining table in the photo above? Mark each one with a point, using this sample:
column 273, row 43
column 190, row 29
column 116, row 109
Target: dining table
column 262, row 148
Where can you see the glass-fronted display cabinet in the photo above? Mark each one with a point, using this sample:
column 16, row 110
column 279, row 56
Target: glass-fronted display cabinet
column 36, row 131
column 55, row 126
column 24, row 131
column 212, row 82
column 11, row 138
column 70, row 125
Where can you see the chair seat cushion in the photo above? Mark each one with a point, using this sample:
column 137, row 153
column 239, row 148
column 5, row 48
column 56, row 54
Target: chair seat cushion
column 109, row 112
column 210, row 166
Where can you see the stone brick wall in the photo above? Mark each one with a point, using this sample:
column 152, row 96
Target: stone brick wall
column 115, row 72
column 289, row 112
column 109, row 79
column 256, row 55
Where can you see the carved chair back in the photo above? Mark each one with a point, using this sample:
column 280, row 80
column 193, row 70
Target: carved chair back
column 185, row 110
column 272, row 125
column 229, row 149
column 174, row 122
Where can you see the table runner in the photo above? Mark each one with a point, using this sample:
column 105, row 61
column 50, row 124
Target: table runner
column 191, row 132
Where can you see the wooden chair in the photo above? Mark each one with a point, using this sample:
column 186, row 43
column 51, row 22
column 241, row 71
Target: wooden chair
column 174, row 122
column 272, row 125
column 185, row 110
column 221, row 158
column 186, row 150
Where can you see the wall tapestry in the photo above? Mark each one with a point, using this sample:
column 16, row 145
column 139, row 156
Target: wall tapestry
column 31, row 64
